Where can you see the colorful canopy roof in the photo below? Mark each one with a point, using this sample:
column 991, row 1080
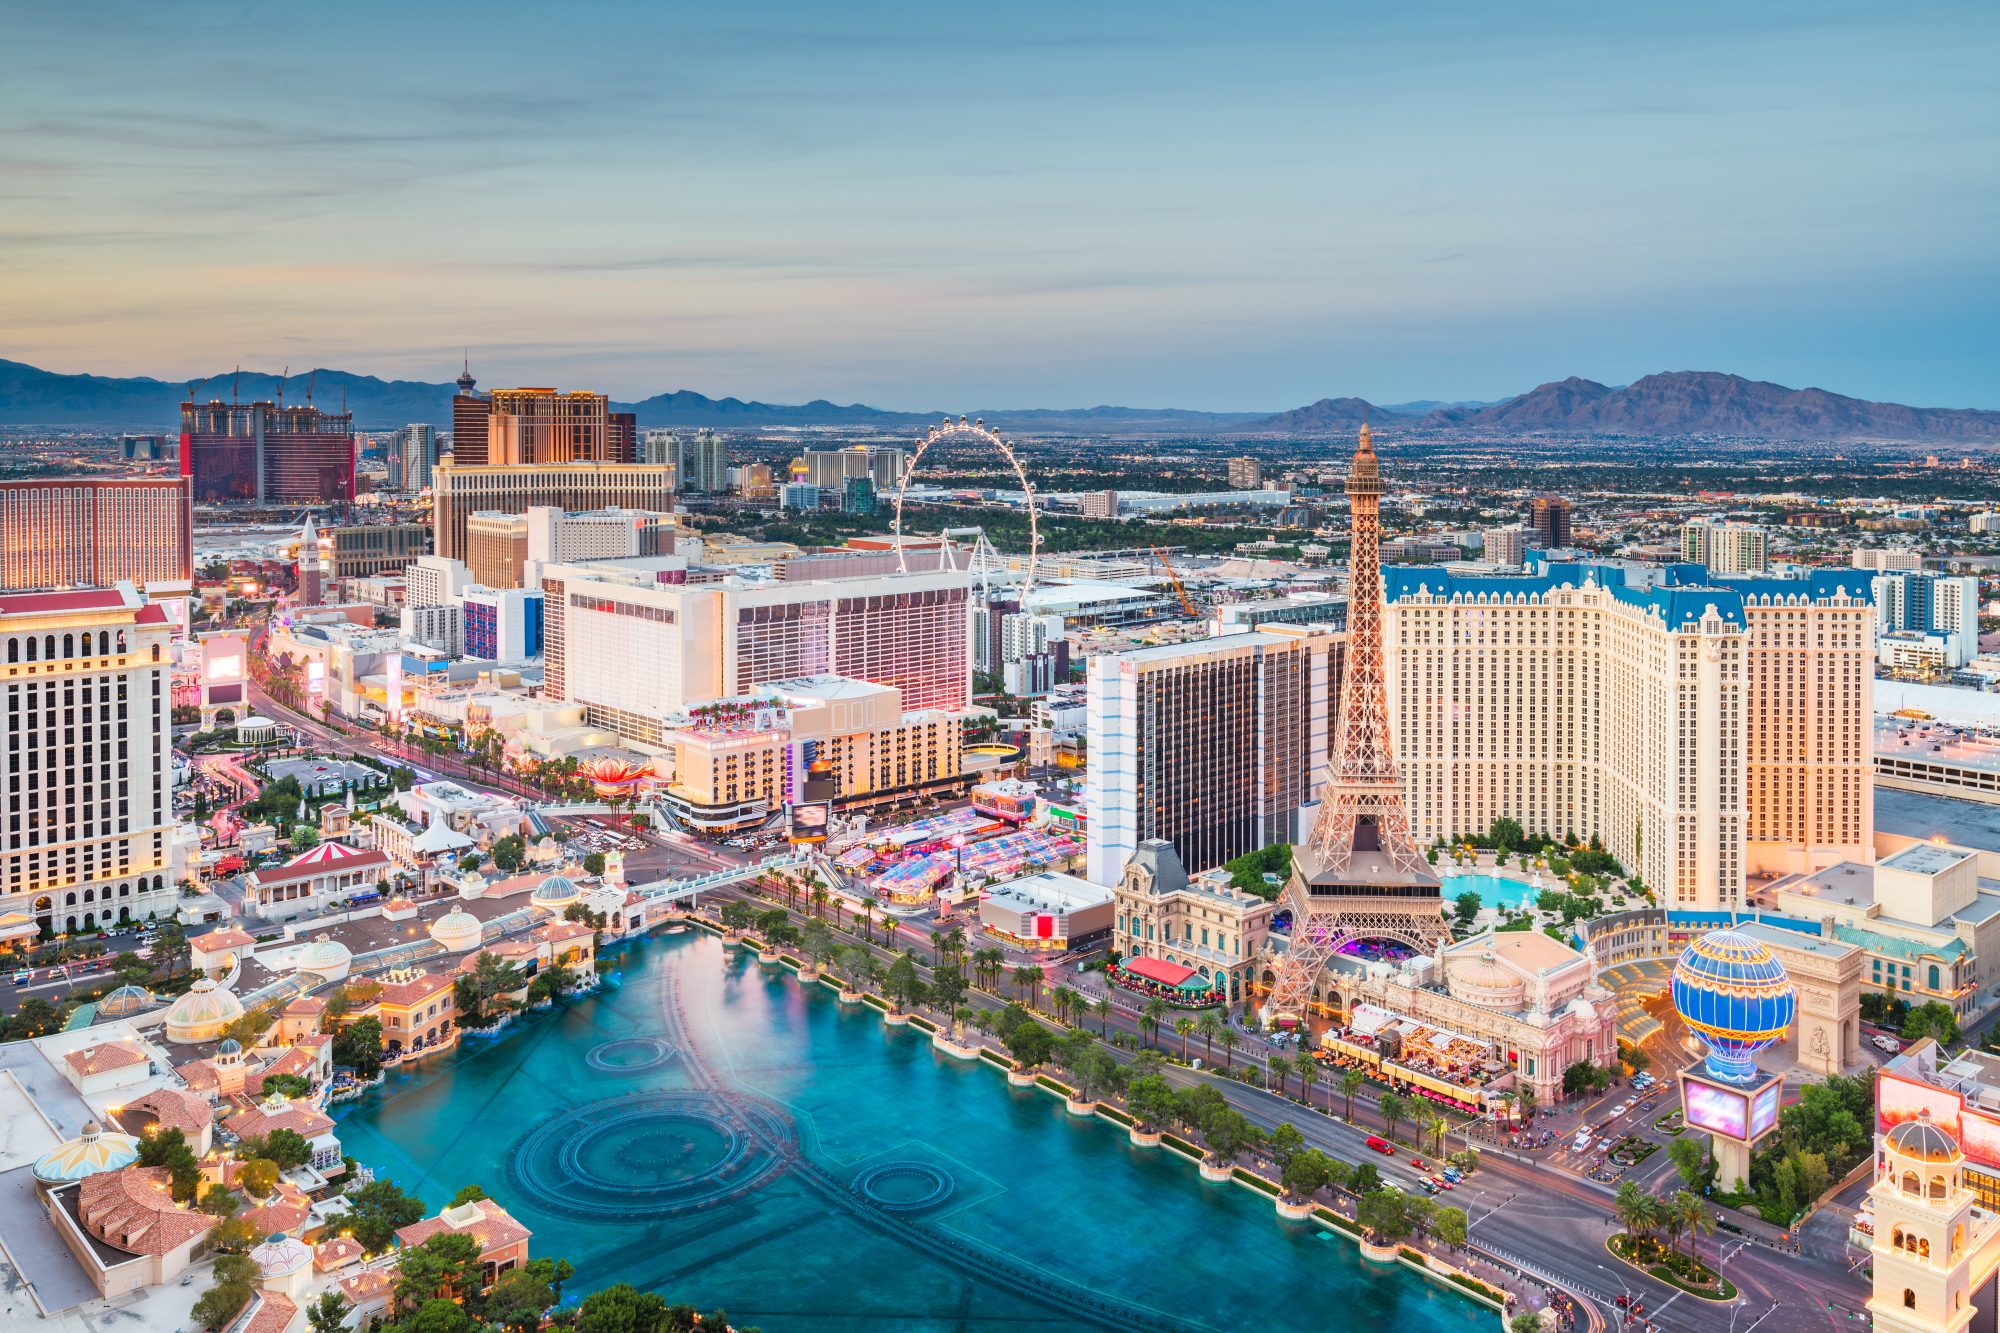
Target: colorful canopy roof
column 1167, row 974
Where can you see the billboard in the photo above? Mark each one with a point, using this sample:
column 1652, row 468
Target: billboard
column 1718, row 1110
column 1764, row 1111
column 808, row 820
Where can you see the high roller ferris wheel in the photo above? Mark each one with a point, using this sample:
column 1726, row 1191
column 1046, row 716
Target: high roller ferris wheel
column 978, row 429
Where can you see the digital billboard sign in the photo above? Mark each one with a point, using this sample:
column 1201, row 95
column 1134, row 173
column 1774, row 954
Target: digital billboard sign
column 1764, row 1110
column 1718, row 1110
column 808, row 821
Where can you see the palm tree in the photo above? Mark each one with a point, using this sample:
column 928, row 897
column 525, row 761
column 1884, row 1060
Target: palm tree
column 1350, row 1083
column 1695, row 1219
column 1027, row 981
column 1629, row 1206
column 819, row 899
column 1526, row 1097
column 1308, row 1073
column 1506, row 1102
column 1184, row 1025
column 1229, row 1041
column 868, row 918
column 1063, row 1000
column 1211, row 1028
column 1394, row 1109
column 1102, row 1008
column 1434, row 1124
column 1152, row 1016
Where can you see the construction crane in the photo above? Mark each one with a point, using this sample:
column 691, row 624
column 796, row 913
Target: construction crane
column 1180, row 589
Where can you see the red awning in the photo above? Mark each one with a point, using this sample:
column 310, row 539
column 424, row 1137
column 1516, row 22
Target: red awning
column 1157, row 969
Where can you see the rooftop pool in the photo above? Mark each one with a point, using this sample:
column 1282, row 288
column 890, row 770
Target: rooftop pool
column 1493, row 890
column 715, row 1131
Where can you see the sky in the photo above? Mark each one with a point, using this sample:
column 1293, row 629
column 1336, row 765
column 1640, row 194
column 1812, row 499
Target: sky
column 950, row 207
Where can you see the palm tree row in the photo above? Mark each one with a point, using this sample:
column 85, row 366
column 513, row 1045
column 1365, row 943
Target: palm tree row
column 1648, row 1217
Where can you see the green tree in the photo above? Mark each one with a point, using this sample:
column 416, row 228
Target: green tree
column 1449, row 1226
column 258, row 1177
column 1284, row 1143
column 1307, row 1173
column 438, row 1315
column 948, row 988
column 1027, row 983
column 1184, row 1027
column 169, row 1149
column 446, row 1265
column 1385, row 1214
column 235, row 1280
column 1150, row 1100
column 1581, row 1077
column 481, row 993
column 1363, row 1179
column 510, row 853
column 468, row 1194
column 1395, row 1109
column 593, row 864
column 329, row 1313
column 518, row 1300
column 220, row 1201
column 1351, row 1081
column 902, row 984
column 376, row 1211
column 358, row 1046
column 622, row 1309
column 1229, row 1134
column 1934, row 1020
column 1030, row 1043
column 1466, row 907
column 1690, row 1158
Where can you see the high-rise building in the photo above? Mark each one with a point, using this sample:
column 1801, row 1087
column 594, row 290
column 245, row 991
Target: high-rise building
column 84, row 532
column 501, row 624
column 88, row 838
column 268, row 453
column 1506, row 545
column 702, row 463
column 1245, row 474
column 660, row 445
column 1927, row 619
column 434, row 580
column 1725, row 548
column 637, row 649
column 362, row 550
column 539, row 425
column 1548, row 517
column 1211, row 745
column 312, row 565
column 412, row 455
column 1986, row 522
column 858, row 496
column 1100, row 504
column 1701, row 729
column 1884, row 559
column 1361, row 874
column 757, row 483
column 500, row 546
column 459, row 492
column 469, row 412
column 829, row 469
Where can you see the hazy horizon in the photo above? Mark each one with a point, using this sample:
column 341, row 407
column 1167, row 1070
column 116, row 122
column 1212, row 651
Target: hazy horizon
column 1037, row 206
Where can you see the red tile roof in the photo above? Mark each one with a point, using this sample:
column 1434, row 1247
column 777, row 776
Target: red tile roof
column 494, row 1228
column 266, row 1311
column 402, row 994
column 102, row 1059
column 173, row 1109
column 132, row 1210
column 297, row 1117
column 336, row 1253
column 44, row 603
column 229, row 937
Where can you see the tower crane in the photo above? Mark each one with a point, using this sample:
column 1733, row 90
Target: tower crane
column 1180, row 589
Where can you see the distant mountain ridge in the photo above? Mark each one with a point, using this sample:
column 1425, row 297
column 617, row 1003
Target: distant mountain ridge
column 1704, row 402
column 1676, row 403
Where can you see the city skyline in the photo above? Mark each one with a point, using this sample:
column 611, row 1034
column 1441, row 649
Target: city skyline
column 1200, row 210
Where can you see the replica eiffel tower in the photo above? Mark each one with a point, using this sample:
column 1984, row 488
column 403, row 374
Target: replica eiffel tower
column 1361, row 875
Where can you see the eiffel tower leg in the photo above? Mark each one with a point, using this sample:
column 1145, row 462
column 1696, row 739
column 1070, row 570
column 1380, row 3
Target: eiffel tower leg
column 1315, row 937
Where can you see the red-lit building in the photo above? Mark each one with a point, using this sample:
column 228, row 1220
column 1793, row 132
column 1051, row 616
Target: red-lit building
column 84, row 532
column 268, row 453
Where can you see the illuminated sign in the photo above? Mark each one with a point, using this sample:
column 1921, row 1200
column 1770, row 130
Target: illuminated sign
column 1717, row 1110
column 221, row 669
column 1764, row 1111
column 808, row 822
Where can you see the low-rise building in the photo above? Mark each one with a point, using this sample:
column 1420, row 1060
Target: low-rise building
column 503, row 1242
column 125, row 1230
column 1202, row 922
column 1049, row 910
column 324, row 879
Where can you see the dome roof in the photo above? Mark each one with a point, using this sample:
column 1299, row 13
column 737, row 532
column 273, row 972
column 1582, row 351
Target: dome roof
column 230, row 1046
column 323, row 955
column 280, row 1255
column 1485, row 980
column 1923, row 1140
column 456, row 930
column 556, row 891
column 85, row 1155
column 1733, row 994
column 126, row 1001
column 202, row 1013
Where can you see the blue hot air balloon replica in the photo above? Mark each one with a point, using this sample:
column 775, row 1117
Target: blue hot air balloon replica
column 1733, row 994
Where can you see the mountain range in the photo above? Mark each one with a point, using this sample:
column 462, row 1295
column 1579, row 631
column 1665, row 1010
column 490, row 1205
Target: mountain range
column 1677, row 403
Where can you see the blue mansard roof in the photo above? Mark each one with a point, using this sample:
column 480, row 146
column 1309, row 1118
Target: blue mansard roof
column 1681, row 595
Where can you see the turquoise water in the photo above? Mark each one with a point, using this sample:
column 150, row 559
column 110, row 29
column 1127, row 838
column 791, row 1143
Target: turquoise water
column 985, row 1188
column 1493, row 890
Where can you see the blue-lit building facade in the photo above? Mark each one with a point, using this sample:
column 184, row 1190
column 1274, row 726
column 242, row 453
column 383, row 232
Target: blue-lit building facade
column 502, row 624
column 1708, row 730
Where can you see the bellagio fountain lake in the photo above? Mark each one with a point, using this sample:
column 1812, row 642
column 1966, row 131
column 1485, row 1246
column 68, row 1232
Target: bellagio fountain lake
column 716, row 1131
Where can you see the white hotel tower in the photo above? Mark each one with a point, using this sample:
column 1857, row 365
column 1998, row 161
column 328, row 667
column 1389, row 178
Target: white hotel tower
column 1703, row 729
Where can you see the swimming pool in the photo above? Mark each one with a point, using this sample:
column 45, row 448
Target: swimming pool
column 715, row 1131
column 1493, row 890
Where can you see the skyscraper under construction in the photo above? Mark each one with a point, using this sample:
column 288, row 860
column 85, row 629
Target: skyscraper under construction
column 267, row 453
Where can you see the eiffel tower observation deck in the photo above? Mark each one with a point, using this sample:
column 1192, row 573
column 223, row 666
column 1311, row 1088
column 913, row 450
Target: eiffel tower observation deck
column 1360, row 875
